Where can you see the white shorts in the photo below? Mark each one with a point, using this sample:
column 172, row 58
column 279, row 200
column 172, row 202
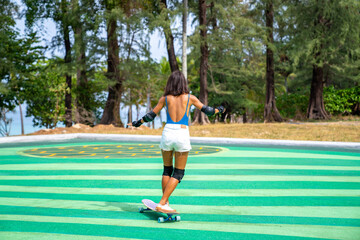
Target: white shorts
column 175, row 137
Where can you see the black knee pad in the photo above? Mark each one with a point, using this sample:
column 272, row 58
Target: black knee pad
column 168, row 171
column 178, row 174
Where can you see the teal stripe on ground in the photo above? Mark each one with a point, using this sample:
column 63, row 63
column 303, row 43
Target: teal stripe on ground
column 131, row 232
column 286, row 211
column 227, row 201
column 152, row 184
column 51, row 236
column 61, row 212
column 278, row 229
column 158, row 172
column 230, row 160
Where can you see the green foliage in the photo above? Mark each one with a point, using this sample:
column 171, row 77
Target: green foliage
column 45, row 95
column 341, row 101
column 236, row 61
column 325, row 32
column 292, row 106
column 95, row 92
column 256, row 114
column 18, row 54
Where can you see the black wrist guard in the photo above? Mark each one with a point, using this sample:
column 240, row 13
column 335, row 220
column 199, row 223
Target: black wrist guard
column 208, row 110
column 137, row 123
column 149, row 116
column 221, row 109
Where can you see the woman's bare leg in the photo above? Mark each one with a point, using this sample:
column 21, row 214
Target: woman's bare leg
column 180, row 163
column 168, row 161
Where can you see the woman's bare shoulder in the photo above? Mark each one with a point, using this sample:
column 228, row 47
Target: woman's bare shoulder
column 193, row 98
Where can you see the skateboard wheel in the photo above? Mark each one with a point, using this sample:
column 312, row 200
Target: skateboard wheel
column 177, row 218
column 160, row 220
column 141, row 210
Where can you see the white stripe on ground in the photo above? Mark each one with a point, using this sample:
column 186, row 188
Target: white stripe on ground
column 293, row 211
column 315, row 231
column 287, row 155
column 188, row 192
column 188, row 177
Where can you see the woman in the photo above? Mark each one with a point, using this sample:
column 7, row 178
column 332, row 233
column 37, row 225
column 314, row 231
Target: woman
column 175, row 137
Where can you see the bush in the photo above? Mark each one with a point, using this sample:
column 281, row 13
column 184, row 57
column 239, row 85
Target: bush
column 294, row 106
column 342, row 101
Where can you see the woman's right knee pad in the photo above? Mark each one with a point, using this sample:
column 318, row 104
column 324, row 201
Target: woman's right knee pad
column 168, row 171
column 178, row 174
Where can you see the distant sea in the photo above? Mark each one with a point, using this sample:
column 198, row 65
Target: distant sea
column 29, row 127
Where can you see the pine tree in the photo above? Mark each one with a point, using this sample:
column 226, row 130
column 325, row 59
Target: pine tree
column 199, row 117
column 270, row 110
column 127, row 43
column 111, row 114
column 326, row 35
column 169, row 40
column 235, row 63
column 83, row 15
column 65, row 23
column 60, row 12
column 161, row 16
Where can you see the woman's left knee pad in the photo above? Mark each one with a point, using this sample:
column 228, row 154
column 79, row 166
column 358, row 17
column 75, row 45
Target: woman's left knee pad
column 178, row 174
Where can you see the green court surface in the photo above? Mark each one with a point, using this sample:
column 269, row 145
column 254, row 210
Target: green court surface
column 92, row 190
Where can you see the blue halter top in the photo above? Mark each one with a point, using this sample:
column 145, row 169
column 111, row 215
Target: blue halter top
column 184, row 120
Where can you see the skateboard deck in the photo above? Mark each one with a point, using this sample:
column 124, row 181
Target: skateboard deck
column 151, row 206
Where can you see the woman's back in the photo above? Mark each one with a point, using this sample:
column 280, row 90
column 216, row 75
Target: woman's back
column 176, row 106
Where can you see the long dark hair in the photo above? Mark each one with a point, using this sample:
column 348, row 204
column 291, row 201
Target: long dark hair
column 176, row 84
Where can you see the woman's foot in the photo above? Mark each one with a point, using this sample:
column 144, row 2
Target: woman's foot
column 165, row 208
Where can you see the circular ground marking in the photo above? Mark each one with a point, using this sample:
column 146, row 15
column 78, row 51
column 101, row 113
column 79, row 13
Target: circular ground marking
column 110, row 151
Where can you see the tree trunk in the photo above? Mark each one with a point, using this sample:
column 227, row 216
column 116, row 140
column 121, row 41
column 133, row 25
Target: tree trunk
column 148, row 103
column 68, row 98
column 130, row 114
column 21, row 119
column 137, row 111
column 184, row 40
column 199, row 117
column 316, row 109
column 84, row 113
column 244, row 117
column 111, row 113
column 271, row 113
column 170, row 43
column 130, row 120
column 67, row 59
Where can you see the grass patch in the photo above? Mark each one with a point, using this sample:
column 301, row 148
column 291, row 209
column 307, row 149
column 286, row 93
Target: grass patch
column 340, row 131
